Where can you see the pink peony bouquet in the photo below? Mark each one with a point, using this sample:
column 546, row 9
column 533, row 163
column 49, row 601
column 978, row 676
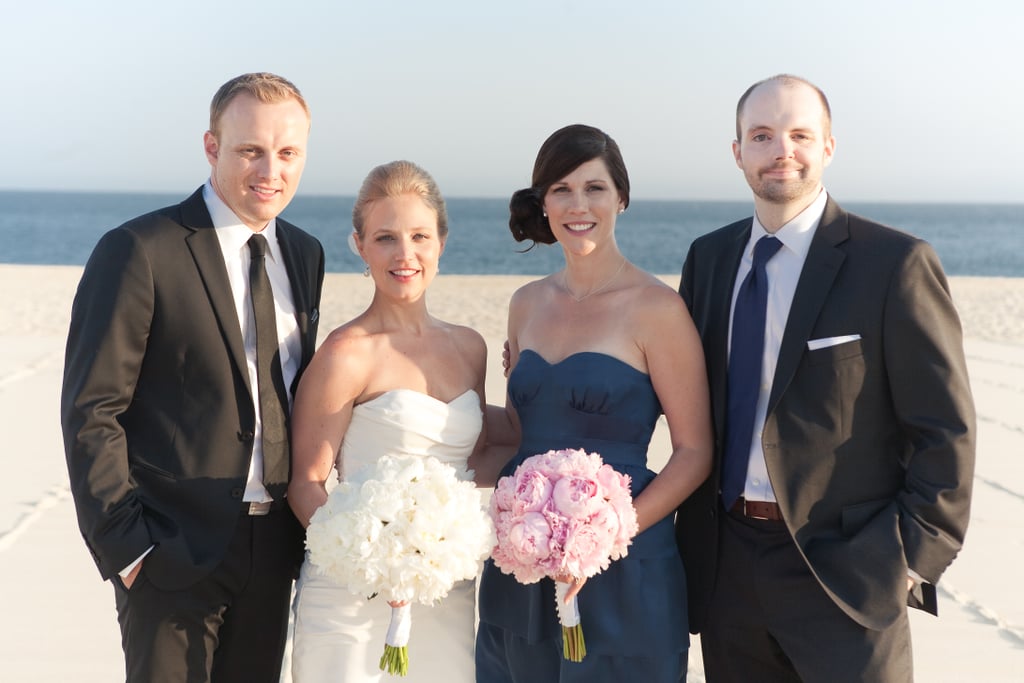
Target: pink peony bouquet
column 562, row 513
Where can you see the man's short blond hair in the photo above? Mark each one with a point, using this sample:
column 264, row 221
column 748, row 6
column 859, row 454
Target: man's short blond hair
column 266, row 87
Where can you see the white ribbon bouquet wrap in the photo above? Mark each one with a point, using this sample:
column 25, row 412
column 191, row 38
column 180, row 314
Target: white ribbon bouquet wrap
column 407, row 529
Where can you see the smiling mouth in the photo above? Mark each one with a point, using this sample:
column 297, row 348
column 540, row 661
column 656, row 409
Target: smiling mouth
column 782, row 172
column 579, row 227
column 405, row 272
column 265, row 192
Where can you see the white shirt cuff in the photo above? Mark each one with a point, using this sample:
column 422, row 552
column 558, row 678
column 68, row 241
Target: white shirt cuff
column 128, row 570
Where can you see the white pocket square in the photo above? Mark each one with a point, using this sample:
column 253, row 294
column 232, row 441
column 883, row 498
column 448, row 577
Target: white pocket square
column 815, row 344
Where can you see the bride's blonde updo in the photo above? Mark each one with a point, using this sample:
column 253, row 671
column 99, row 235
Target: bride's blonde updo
column 392, row 180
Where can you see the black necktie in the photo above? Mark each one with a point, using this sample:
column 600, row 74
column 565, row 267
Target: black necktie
column 273, row 399
column 747, row 350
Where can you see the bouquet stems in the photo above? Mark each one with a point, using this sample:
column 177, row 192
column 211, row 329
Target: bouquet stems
column 574, row 649
column 395, row 659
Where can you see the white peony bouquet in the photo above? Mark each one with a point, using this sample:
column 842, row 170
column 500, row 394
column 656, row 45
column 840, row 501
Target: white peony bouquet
column 408, row 530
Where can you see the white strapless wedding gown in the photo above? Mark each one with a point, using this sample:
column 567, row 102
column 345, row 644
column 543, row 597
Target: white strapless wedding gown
column 340, row 636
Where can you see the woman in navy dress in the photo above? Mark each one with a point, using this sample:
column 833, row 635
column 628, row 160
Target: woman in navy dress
column 598, row 350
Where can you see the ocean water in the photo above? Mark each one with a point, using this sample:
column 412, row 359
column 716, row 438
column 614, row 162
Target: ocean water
column 61, row 228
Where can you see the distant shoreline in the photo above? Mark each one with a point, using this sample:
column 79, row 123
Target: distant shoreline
column 62, row 228
column 991, row 308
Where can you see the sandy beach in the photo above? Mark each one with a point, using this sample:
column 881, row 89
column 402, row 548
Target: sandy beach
column 60, row 620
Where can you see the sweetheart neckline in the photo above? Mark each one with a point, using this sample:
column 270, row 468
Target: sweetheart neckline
column 583, row 353
column 400, row 390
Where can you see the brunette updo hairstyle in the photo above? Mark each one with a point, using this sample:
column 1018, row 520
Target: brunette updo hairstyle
column 564, row 151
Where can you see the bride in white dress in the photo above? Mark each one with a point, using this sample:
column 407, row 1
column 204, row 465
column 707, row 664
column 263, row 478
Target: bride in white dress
column 393, row 380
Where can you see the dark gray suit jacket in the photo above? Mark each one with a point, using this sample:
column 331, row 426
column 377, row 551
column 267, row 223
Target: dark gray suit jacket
column 156, row 407
column 869, row 444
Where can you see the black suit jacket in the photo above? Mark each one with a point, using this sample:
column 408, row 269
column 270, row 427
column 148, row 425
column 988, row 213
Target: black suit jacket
column 869, row 444
column 156, row 407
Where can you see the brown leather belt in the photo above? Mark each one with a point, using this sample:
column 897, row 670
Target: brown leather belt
column 757, row 509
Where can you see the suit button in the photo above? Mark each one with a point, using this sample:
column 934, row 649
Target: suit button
column 237, row 492
column 245, row 436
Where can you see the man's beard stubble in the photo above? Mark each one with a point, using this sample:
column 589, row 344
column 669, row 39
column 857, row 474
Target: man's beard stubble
column 781, row 191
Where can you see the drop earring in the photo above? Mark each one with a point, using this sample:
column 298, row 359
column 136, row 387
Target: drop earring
column 366, row 271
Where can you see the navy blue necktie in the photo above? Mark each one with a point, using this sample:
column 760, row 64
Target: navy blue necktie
column 748, row 323
column 273, row 397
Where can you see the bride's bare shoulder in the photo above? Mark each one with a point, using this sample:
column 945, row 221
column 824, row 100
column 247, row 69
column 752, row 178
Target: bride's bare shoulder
column 353, row 342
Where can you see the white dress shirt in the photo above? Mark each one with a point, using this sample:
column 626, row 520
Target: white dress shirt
column 783, row 273
column 234, row 243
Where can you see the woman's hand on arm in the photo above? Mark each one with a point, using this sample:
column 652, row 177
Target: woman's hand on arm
column 500, row 441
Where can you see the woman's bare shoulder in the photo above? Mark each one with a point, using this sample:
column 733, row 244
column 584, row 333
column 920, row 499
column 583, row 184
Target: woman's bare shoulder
column 351, row 343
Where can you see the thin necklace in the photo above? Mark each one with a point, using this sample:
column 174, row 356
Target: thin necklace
column 601, row 287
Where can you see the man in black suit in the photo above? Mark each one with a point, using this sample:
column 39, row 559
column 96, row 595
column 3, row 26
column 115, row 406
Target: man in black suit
column 845, row 442
column 175, row 400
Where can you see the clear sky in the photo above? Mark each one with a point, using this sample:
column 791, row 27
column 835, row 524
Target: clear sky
column 114, row 94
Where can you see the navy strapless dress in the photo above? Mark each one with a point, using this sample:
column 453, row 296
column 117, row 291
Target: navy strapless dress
column 634, row 613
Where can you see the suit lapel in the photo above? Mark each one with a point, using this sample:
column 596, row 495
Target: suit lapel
column 209, row 260
column 824, row 259
column 298, row 277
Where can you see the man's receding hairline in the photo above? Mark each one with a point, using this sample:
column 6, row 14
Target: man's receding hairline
column 787, row 81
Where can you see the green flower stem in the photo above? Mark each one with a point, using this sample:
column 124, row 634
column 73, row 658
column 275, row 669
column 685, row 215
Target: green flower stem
column 574, row 649
column 395, row 660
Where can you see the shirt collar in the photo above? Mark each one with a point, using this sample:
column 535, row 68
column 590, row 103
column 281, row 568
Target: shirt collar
column 232, row 232
column 796, row 235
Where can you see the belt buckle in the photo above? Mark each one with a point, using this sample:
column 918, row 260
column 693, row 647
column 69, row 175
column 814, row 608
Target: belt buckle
column 752, row 515
column 258, row 509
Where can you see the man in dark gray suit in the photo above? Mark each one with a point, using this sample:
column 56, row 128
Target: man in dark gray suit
column 189, row 326
column 844, row 422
